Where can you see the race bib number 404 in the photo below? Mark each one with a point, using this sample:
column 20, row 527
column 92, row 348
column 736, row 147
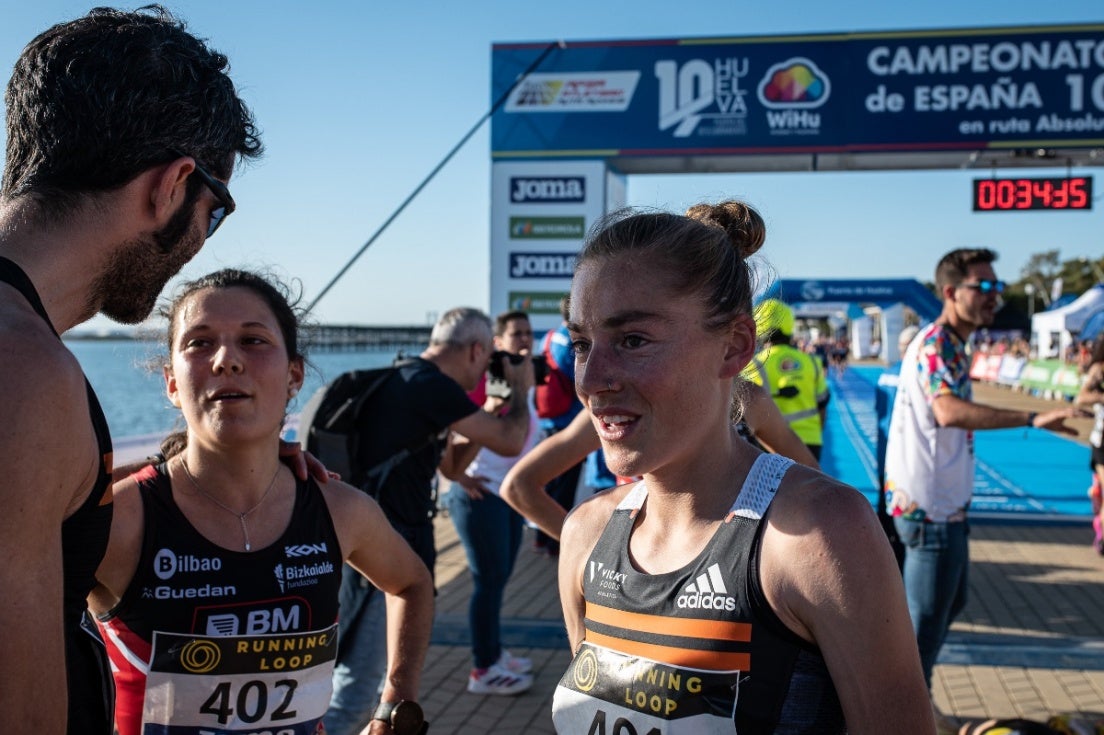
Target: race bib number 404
column 238, row 685
column 606, row 692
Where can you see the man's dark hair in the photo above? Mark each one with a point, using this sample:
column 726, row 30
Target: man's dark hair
column 952, row 268
column 503, row 320
column 95, row 101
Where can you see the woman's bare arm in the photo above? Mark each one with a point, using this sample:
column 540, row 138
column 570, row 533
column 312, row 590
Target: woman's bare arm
column 523, row 486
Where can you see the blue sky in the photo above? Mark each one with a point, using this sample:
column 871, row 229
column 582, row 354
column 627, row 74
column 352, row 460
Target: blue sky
column 359, row 100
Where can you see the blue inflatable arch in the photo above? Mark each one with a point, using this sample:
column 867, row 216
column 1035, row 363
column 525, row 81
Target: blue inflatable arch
column 881, row 292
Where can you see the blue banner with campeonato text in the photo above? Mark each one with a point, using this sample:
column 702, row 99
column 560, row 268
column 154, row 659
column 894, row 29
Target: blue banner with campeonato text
column 908, row 91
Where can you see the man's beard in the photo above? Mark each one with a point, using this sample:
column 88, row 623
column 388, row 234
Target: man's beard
column 127, row 289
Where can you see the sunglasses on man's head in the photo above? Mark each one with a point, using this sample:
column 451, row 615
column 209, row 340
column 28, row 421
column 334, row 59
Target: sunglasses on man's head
column 986, row 286
column 218, row 214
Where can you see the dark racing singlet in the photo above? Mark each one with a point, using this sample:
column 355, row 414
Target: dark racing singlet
column 214, row 641
column 84, row 537
column 696, row 651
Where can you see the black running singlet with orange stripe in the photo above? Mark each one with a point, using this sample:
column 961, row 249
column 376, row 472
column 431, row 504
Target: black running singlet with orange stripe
column 83, row 542
column 696, row 651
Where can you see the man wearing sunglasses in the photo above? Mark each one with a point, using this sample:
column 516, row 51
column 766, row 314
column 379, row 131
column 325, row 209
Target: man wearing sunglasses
column 930, row 451
column 121, row 131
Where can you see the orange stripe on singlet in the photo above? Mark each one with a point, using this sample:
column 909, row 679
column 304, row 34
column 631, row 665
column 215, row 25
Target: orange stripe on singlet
column 673, row 655
column 665, row 626
column 660, row 625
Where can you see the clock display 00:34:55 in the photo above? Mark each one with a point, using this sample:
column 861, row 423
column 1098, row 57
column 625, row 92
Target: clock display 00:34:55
column 1020, row 194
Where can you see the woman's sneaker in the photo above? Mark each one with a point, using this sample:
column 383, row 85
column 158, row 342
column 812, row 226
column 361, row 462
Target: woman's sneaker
column 515, row 664
column 497, row 679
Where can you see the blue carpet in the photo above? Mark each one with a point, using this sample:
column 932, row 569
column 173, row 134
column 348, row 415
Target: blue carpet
column 1022, row 474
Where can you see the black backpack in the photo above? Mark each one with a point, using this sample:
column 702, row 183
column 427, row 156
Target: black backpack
column 328, row 426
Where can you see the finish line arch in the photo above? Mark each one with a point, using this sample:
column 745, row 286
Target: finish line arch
column 880, row 292
column 889, row 294
column 567, row 136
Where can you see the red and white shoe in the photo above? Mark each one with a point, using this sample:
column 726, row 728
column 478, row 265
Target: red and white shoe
column 498, row 680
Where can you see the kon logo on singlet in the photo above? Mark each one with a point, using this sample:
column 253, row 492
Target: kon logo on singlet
column 707, row 592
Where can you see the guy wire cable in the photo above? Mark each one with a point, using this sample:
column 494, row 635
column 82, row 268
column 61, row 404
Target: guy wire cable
column 498, row 103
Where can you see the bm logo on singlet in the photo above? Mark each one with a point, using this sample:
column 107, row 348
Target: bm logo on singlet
column 707, row 592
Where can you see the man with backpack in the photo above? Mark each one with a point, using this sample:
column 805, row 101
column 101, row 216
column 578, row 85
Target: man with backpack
column 411, row 414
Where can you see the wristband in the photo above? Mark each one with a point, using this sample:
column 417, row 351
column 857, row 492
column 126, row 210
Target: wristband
column 1031, row 418
column 405, row 716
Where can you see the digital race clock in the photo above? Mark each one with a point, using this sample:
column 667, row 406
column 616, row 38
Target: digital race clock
column 1017, row 195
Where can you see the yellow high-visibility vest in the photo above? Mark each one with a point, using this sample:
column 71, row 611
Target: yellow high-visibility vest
column 798, row 386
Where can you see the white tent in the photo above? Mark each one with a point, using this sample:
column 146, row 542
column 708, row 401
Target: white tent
column 1052, row 331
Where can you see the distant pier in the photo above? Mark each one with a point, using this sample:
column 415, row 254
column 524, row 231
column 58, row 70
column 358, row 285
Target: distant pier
column 352, row 337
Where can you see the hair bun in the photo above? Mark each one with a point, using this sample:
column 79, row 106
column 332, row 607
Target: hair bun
column 744, row 226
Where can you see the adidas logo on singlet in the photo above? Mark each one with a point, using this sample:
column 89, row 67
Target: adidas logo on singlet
column 707, row 592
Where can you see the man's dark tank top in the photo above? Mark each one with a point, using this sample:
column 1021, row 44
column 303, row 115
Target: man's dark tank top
column 84, row 537
column 698, row 650
column 185, row 584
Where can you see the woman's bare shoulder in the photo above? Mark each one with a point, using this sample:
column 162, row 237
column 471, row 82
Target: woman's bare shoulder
column 585, row 522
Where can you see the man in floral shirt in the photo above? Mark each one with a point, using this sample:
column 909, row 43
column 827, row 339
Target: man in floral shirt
column 930, row 451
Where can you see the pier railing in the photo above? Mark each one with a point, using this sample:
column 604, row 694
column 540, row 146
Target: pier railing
column 352, row 337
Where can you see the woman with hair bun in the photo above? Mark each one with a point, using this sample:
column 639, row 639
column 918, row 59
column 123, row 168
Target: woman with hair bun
column 728, row 590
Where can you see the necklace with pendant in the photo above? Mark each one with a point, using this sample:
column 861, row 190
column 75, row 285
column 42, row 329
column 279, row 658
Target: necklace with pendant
column 240, row 515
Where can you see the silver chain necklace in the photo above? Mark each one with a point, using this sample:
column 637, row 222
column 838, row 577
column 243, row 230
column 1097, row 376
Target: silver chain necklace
column 241, row 515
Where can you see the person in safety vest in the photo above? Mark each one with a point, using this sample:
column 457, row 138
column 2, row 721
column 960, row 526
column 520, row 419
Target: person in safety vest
column 794, row 379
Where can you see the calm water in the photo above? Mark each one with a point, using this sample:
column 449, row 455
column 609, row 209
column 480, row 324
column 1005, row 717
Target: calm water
column 127, row 377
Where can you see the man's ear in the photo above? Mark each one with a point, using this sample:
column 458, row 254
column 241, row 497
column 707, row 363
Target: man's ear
column 170, row 386
column 169, row 187
column 739, row 346
column 948, row 292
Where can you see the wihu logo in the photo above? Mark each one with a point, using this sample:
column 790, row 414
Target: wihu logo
column 707, row 592
column 791, row 90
